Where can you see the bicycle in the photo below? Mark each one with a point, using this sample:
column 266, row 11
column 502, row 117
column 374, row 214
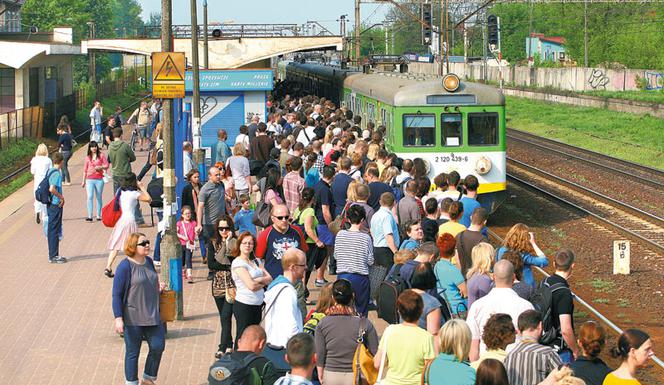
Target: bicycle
column 134, row 138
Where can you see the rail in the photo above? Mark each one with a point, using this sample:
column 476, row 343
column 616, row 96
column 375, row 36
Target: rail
column 587, row 306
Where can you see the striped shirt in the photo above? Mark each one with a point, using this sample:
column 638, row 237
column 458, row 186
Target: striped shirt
column 529, row 362
column 353, row 251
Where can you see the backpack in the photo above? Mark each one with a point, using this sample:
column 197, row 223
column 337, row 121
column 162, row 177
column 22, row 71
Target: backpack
column 542, row 301
column 397, row 188
column 310, row 326
column 231, row 370
column 388, row 292
column 43, row 193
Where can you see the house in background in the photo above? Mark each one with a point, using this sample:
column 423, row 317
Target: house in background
column 548, row 48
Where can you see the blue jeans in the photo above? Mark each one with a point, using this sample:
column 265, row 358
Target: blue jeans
column 186, row 257
column 566, row 356
column 360, row 285
column 94, row 187
column 65, row 166
column 157, row 243
column 54, row 230
column 133, row 337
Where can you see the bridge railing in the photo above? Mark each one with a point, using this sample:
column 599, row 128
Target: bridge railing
column 228, row 31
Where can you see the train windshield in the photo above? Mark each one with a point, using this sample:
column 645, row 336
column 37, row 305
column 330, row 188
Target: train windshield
column 451, row 124
column 483, row 129
column 419, row 130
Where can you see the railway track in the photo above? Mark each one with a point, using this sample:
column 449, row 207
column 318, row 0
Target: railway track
column 640, row 173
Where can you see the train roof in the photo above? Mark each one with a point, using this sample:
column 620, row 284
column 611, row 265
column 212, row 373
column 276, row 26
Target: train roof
column 414, row 90
column 328, row 71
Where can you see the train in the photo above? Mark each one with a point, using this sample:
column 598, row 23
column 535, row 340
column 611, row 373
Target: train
column 453, row 125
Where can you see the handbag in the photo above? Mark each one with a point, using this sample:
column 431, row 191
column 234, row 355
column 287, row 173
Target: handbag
column 262, row 214
column 383, row 356
column 231, row 291
column 364, row 371
column 111, row 212
column 338, row 223
column 221, row 284
column 106, row 178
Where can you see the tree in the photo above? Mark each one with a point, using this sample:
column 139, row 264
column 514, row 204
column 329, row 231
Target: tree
column 127, row 18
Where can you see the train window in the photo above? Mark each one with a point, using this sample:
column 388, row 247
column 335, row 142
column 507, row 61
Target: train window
column 483, row 129
column 419, row 130
column 452, row 130
column 383, row 117
column 371, row 111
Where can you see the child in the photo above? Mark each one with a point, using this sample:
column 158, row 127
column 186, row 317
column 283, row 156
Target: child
column 243, row 217
column 187, row 235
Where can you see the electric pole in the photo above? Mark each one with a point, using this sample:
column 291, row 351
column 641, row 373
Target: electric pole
column 357, row 32
column 344, row 41
column 170, row 244
column 205, row 36
column 92, row 66
column 585, row 33
column 199, row 154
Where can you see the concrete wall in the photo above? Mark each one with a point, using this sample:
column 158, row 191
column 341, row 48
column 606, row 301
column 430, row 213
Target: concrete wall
column 572, row 79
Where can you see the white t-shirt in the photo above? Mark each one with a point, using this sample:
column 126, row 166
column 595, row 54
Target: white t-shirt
column 243, row 293
column 499, row 300
column 244, row 139
column 302, row 137
column 128, row 200
column 239, row 166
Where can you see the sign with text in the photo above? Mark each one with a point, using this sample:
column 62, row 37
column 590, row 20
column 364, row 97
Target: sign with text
column 168, row 75
column 621, row 251
column 231, row 80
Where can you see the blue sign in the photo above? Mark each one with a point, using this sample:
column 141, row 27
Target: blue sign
column 231, row 80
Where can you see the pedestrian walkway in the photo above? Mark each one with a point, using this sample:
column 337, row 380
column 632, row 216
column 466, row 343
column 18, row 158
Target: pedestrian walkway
column 57, row 321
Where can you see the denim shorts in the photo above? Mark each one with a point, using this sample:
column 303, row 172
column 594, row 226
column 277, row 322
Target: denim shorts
column 142, row 131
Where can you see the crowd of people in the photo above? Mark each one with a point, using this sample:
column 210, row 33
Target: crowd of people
column 309, row 192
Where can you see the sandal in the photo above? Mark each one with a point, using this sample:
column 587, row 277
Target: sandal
column 109, row 273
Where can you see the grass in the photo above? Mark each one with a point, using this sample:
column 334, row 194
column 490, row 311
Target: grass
column 15, row 184
column 652, row 96
column 16, row 153
column 622, row 302
column 602, row 286
column 636, row 138
column 601, row 300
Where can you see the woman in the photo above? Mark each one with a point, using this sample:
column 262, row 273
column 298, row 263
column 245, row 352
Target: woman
column 65, row 144
column 452, row 226
column 239, row 167
column 305, row 216
column 250, row 278
column 521, row 240
column 356, row 168
column 415, row 235
column 325, row 301
column 405, row 347
column 498, row 332
column 523, row 289
column 634, row 348
column 224, row 244
column 451, row 366
column 423, row 280
column 229, row 188
column 130, row 193
column 243, row 137
column 136, row 290
column 93, row 177
column 311, row 175
column 588, row 366
column 388, row 175
column 451, row 284
column 39, row 166
column 479, row 275
column 337, row 337
column 272, row 183
column 491, row 372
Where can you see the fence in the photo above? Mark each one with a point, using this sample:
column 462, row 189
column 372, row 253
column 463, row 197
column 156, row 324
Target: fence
column 105, row 89
column 22, row 123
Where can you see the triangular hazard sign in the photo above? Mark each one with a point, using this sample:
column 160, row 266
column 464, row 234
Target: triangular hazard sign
column 168, row 71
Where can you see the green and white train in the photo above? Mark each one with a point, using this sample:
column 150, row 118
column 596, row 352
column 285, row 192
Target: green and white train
column 453, row 125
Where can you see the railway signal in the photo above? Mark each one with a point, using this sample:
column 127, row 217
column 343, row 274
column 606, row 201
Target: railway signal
column 427, row 18
column 493, row 32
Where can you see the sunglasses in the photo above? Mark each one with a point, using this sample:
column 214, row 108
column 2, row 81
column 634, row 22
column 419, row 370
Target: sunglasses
column 224, row 228
column 281, row 217
column 144, row 243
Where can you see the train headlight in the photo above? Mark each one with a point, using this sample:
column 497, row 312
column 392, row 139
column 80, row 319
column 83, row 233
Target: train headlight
column 451, row 82
column 483, row 165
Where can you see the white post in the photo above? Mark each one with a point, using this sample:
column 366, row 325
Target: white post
column 621, row 256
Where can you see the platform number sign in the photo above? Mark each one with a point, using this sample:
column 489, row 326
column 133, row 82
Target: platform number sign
column 621, row 251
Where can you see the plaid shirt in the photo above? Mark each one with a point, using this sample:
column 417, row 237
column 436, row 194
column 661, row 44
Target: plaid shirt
column 320, row 163
column 292, row 184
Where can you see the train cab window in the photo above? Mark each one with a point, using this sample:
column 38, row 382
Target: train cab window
column 452, row 130
column 419, row 130
column 483, row 129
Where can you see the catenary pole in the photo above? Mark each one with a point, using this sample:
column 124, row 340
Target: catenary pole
column 357, row 32
column 170, row 244
column 199, row 154
column 206, row 63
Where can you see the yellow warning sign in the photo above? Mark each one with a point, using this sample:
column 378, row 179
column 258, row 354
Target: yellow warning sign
column 168, row 75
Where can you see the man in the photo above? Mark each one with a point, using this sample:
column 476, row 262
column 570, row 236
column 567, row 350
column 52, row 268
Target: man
column 222, row 152
column 452, row 192
column 562, row 305
column 107, row 134
column 301, row 355
column 293, row 184
column 324, row 209
column 253, row 127
column 427, row 252
column 430, row 222
column 187, row 160
column 307, row 134
column 337, row 145
column 385, row 234
column 273, row 242
column 283, row 318
column 156, row 112
column 467, row 239
column 54, row 209
column 317, row 147
column 262, row 144
column 376, row 188
column 501, row 299
column 469, row 200
column 249, row 349
column 317, row 111
column 408, row 209
column 361, row 197
column 95, row 122
column 211, row 207
column 143, row 117
column 340, row 184
column 529, row 363
column 120, row 155
column 289, row 126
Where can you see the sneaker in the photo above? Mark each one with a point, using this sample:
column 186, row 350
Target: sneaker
column 157, row 263
column 88, row 219
column 218, row 354
column 57, row 259
column 190, row 279
column 109, row 273
column 67, row 183
column 320, row 282
column 98, row 219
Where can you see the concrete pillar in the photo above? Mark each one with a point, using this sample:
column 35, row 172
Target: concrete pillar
column 18, row 89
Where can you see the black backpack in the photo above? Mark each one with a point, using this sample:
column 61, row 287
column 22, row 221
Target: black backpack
column 231, row 370
column 542, row 301
column 388, row 292
column 43, row 193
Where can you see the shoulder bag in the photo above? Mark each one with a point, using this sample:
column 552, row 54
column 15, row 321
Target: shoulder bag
column 364, row 371
column 337, row 224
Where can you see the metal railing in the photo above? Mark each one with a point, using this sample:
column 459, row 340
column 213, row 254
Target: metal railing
column 229, row 31
column 21, row 123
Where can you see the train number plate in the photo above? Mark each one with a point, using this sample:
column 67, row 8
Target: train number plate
column 450, row 158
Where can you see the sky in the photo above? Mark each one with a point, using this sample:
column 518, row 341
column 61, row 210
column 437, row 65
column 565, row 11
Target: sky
column 326, row 12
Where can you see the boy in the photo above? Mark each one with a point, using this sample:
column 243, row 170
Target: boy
column 243, row 218
column 300, row 354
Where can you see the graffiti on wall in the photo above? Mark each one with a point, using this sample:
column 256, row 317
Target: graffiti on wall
column 598, row 79
column 207, row 105
column 655, row 80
